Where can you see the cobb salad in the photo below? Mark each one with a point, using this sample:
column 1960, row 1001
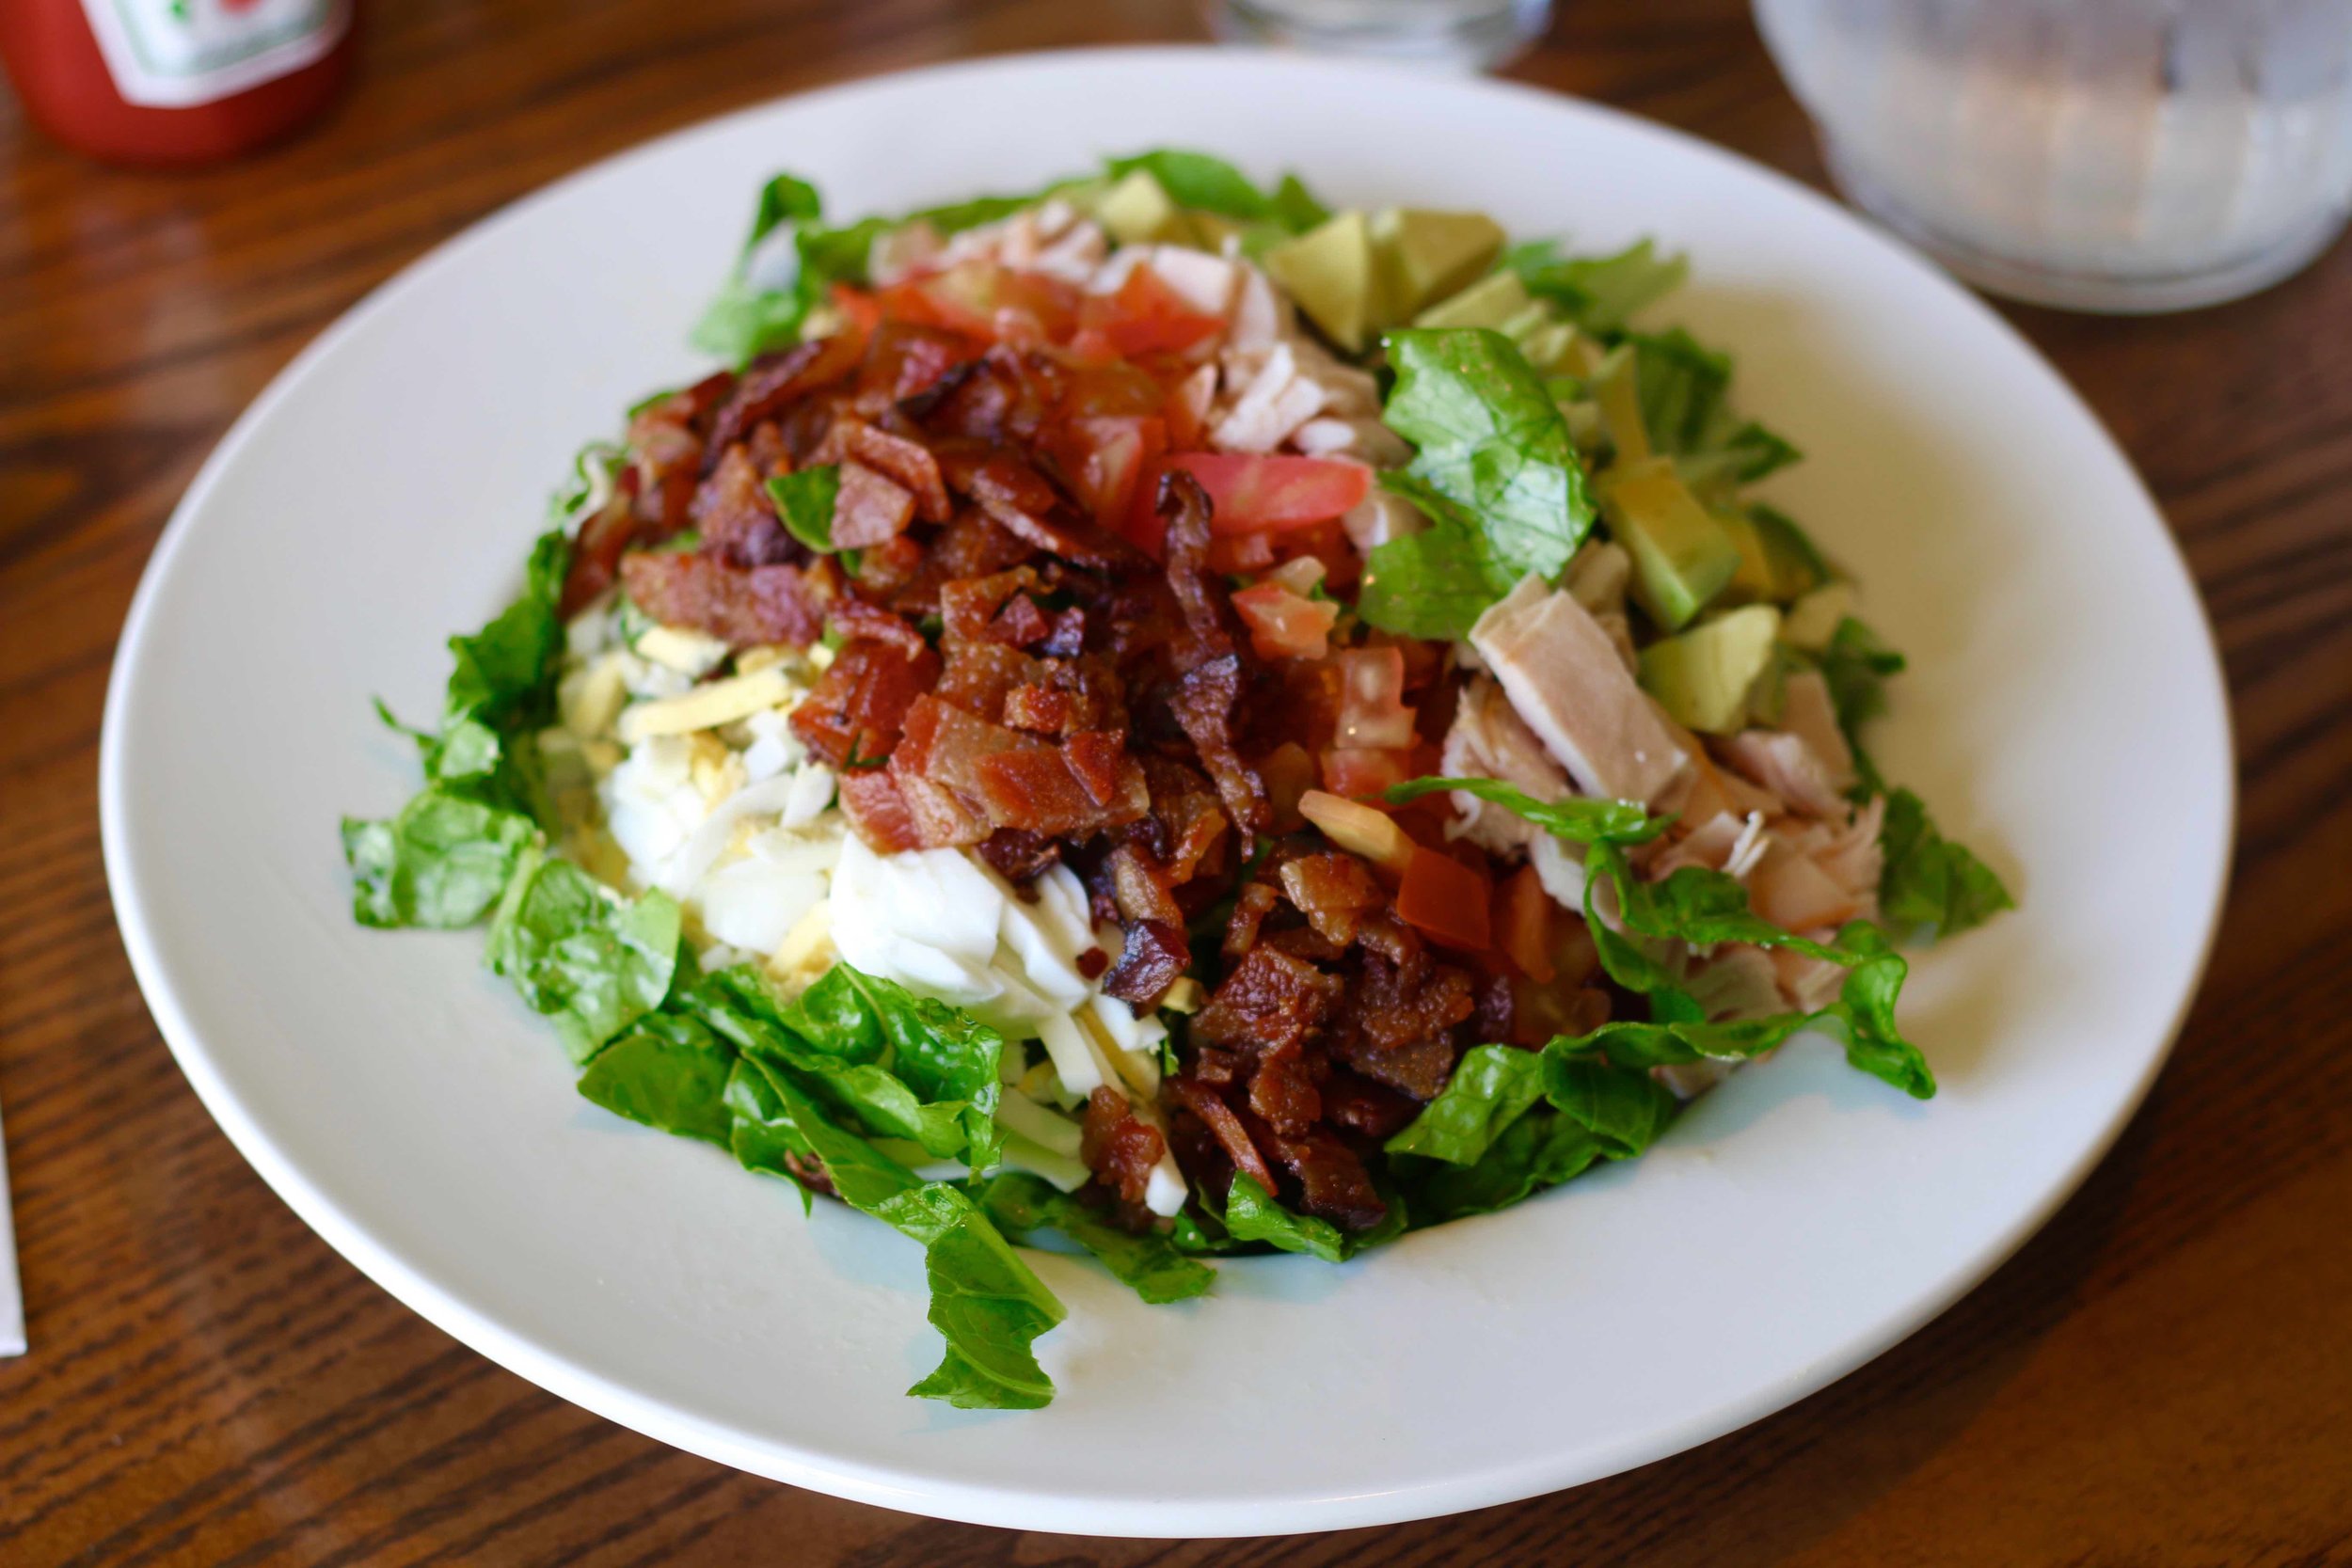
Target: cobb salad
column 1158, row 713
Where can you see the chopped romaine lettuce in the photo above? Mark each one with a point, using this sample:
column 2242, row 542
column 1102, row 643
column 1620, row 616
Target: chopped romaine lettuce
column 1491, row 1087
column 590, row 961
column 1149, row 1263
column 1251, row 1214
column 1931, row 887
column 805, row 499
column 1578, row 819
column 669, row 1072
column 1496, row 470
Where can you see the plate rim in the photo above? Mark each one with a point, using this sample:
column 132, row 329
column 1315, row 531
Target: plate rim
column 1135, row 1513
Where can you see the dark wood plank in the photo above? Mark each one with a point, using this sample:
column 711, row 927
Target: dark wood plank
column 2164, row 1376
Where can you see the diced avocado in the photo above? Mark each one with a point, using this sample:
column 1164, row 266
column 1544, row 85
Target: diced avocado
column 1491, row 301
column 1814, row 619
column 1136, row 211
column 1210, row 232
column 1702, row 678
column 1328, row 270
column 1425, row 255
column 1619, row 395
column 1683, row 556
column 1753, row 579
column 1769, row 697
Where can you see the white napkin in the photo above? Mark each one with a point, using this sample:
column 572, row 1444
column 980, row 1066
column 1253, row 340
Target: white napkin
column 11, row 1301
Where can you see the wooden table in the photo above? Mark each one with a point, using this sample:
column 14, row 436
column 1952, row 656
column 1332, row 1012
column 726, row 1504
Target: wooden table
column 2163, row 1377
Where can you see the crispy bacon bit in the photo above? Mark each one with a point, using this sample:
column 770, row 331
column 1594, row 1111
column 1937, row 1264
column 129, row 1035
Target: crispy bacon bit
column 1008, row 778
column 1334, row 892
column 743, row 607
column 1155, row 956
column 1207, row 692
column 853, row 621
column 853, row 718
column 774, row 381
column 906, row 463
column 596, row 549
column 1226, row 1128
column 1141, row 888
column 1267, row 1000
column 737, row 521
column 811, row 1171
column 1356, row 1102
column 869, row 509
column 1092, row 962
column 1332, row 1181
column 878, row 810
column 1117, row 1147
column 1282, row 1091
column 1019, row 856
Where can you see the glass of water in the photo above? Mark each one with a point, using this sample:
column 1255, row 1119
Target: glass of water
column 2123, row 155
column 1472, row 35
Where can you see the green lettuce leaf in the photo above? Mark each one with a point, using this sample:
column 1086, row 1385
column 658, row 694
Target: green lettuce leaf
column 1209, row 184
column 1493, row 1086
column 896, row 1065
column 805, row 499
column 1579, row 819
column 591, row 961
column 760, row 1130
column 1150, row 1264
column 668, row 1073
column 1251, row 1214
column 1495, row 471
column 1931, row 887
column 751, row 315
column 1541, row 1149
column 1597, row 293
column 986, row 1304
column 1624, row 1109
column 442, row 861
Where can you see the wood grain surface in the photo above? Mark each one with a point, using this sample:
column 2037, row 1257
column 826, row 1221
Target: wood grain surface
column 2163, row 1377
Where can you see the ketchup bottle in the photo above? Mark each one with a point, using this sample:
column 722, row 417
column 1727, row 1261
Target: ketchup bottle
column 160, row 82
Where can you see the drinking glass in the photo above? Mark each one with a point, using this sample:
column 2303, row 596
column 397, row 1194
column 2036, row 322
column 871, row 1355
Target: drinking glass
column 2119, row 155
column 1473, row 34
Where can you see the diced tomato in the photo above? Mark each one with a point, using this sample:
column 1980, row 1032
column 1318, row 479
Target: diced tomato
column 1106, row 458
column 1249, row 493
column 1284, row 624
column 1445, row 899
column 1146, row 315
column 1117, row 389
column 1361, row 830
column 1361, row 772
column 982, row 300
column 1241, row 554
column 863, row 309
column 1522, row 924
column 1372, row 699
column 1189, row 394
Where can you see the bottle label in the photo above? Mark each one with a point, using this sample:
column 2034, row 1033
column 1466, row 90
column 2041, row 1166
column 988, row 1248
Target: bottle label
column 174, row 54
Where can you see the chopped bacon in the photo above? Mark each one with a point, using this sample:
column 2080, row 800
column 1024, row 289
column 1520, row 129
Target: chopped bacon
column 743, row 607
column 869, row 509
column 1334, row 892
column 1156, row 954
column 1283, row 1090
column 878, row 810
column 853, row 620
column 853, row 718
column 737, row 520
column 1116, row 1146
column 774, row 381
column 1009, row 778
column 1332, row 1182
column 1224, row 1126
column 1266, row 1000
column 1356, row 1102
column 906, row 463
column 1019, row 857
column 596, row 549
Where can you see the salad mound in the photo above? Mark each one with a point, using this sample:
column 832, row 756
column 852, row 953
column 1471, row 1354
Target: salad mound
column 1159, row 713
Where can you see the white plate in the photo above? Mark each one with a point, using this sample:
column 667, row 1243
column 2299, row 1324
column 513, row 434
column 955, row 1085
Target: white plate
column 2065, row 715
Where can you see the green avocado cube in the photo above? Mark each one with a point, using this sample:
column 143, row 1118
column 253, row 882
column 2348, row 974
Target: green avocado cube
column 1328, row 272
column 1492, row 301
column 1682, row 556
column 1703, row 677
column 1425, row 255
column 1136, row 211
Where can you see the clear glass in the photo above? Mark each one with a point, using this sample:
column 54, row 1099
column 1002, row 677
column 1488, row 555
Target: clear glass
column 1470, row 35
column 2119, row 155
